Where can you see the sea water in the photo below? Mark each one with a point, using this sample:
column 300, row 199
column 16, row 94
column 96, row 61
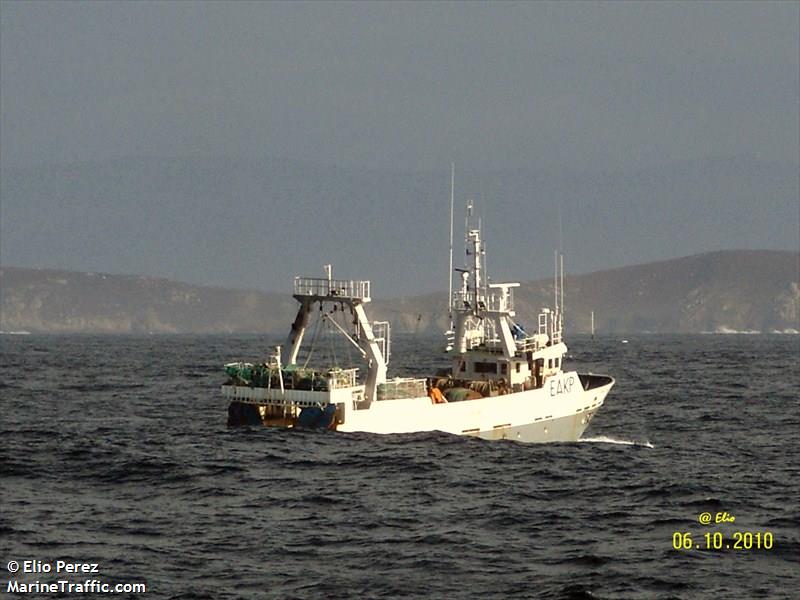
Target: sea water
column 115, row 453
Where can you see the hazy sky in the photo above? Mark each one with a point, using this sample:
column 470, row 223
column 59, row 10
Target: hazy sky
column 401, row 85
column 650, row 130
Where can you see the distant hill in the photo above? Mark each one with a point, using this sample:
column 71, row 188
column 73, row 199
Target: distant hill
column 52, row 301
column 745, row 290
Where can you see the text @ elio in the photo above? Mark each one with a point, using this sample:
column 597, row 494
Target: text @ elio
column 706, row 518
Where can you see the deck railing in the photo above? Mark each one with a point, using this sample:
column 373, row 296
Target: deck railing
column 493, row 301
column 342, row 378
column 339, row 288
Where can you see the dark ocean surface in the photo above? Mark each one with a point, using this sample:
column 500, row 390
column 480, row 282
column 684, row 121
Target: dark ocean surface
column 115, row 450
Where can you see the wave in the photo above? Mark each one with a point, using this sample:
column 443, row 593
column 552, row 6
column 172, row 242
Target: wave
column 602, row 439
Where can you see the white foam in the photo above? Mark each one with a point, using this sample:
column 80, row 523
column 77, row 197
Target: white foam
column 602, row 439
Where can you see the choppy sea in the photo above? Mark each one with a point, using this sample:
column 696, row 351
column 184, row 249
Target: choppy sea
column 115, row 451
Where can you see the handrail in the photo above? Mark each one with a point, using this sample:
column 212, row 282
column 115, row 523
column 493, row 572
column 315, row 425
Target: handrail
column 339, row 288
column 492, row 301
column 339, row 378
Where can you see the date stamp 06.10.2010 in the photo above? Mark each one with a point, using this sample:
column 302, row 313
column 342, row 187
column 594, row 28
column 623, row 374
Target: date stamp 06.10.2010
column 717, row 540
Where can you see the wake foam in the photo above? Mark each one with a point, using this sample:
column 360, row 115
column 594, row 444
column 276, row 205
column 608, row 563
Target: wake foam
column 602, row 439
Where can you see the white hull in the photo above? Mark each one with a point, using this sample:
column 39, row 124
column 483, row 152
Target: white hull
column 531, row 416
column 559, row 411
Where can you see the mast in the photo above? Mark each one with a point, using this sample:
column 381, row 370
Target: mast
column 555, row 279
column 450, row 271
column 561, row 288
column 485, row 291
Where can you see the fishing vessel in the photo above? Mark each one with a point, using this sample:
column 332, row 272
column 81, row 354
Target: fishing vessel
column 503, row 382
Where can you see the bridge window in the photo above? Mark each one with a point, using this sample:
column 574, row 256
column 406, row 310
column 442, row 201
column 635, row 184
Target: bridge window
column 485, row 367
